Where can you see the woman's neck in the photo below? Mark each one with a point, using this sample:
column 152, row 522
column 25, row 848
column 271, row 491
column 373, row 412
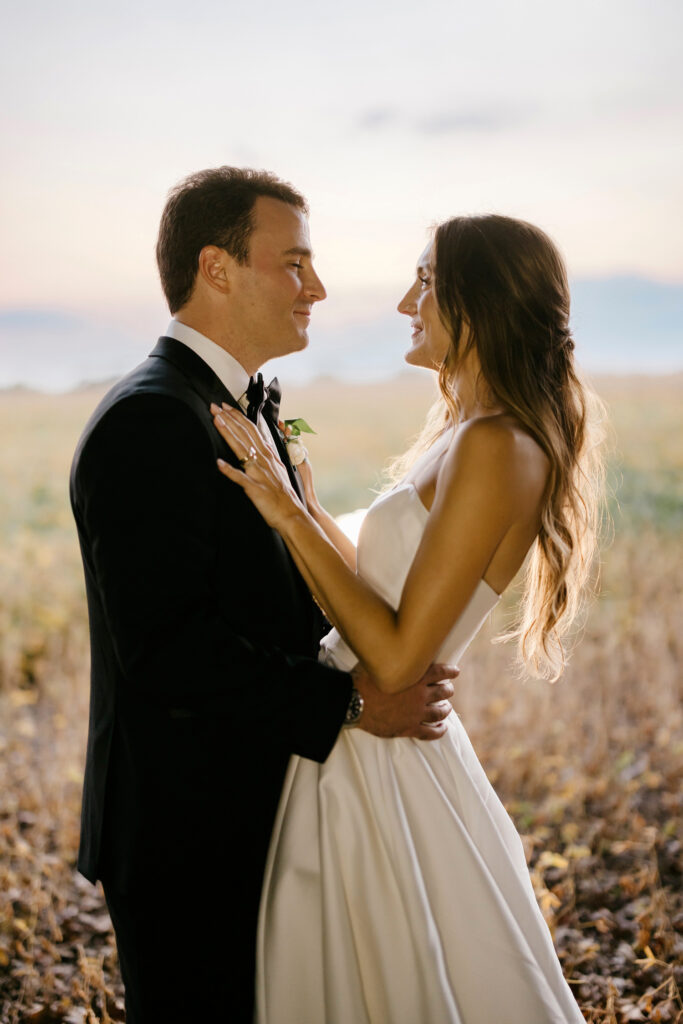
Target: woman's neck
column 474, row 398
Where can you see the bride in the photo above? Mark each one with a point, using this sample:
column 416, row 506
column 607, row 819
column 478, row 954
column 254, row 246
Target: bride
column 396, row 890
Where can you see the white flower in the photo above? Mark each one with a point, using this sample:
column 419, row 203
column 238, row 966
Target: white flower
column 296, row 450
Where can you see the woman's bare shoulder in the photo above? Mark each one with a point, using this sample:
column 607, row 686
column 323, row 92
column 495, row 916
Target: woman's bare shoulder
column 503, row 435
column 500, row 450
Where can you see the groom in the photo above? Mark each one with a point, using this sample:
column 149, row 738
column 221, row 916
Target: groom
column 203, row 634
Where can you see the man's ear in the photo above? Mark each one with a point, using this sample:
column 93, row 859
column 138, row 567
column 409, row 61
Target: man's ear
column 214, row 268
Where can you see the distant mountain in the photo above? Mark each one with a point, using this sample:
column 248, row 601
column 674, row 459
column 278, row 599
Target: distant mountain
column 621, row 325
column 628, row 324
column 55, row 350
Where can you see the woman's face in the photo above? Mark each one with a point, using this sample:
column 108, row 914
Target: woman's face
column 430, row 339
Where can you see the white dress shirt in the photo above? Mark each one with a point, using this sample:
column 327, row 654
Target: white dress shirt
column 227, row 369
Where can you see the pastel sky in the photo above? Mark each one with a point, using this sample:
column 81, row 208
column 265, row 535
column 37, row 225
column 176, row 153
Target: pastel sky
column 388, row 117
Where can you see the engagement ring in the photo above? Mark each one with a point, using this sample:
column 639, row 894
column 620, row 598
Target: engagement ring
column 251, row 457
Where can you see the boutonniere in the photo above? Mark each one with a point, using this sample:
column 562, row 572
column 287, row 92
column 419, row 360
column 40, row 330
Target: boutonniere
column 292, row 432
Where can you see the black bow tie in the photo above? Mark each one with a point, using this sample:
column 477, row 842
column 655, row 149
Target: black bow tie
column 264, row 400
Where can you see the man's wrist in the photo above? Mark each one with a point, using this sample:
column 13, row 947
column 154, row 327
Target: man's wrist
column 354, row 710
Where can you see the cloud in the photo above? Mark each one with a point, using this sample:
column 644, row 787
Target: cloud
column 377, row 117
column 455, row 121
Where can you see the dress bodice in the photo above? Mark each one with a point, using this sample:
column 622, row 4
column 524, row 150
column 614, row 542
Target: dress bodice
column 387, row 545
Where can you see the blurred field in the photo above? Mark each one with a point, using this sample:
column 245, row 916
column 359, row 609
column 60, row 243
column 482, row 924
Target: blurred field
column 590, row 768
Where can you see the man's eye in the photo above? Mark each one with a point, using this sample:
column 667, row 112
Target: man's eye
column 299, row 265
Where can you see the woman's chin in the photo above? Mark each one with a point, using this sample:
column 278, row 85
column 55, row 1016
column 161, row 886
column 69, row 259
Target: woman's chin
column 414, row 357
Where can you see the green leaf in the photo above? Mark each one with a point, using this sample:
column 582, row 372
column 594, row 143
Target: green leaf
column 299, row 426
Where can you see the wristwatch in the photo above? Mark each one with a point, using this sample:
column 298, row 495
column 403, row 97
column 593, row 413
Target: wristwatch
column 354, row 710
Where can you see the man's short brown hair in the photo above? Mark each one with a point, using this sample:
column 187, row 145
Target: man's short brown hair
column 211, row 207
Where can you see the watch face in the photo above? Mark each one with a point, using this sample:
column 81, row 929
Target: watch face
column 355, row 708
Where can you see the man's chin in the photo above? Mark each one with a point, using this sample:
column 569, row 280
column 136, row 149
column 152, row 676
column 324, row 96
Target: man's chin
column 295, row 343
column 302, row 341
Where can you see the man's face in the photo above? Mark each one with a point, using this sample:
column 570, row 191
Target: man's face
column 274, row 292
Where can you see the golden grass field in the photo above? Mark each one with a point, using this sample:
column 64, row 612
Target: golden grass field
column 590, row 768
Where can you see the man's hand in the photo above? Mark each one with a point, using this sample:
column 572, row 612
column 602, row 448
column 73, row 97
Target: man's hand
column 419, row 711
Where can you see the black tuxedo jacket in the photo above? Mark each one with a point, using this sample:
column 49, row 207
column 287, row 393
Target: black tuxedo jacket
column 203, row 639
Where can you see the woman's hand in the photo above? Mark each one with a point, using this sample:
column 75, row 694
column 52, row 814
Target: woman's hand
column 263, row 477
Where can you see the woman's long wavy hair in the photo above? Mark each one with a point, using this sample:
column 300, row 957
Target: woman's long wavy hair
column 506, row 282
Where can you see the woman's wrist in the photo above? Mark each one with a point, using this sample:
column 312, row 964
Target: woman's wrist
column 292, row 518
column 314, row 507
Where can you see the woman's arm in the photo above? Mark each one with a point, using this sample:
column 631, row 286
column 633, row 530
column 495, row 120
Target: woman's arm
column 327, row 524
column 485, row 486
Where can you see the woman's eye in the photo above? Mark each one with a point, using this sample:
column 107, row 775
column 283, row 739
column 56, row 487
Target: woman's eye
column 424, row 281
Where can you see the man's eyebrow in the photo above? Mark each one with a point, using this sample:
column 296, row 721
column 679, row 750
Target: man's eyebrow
column 298, row 250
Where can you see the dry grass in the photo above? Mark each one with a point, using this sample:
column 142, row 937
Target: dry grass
column 591, row 768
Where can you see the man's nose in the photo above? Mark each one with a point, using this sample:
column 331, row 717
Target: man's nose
column 315, row 289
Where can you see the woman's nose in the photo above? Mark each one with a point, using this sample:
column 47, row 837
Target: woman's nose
column 408, row 303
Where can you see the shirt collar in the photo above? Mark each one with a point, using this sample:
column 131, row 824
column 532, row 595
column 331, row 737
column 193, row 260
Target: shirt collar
column 225, row 366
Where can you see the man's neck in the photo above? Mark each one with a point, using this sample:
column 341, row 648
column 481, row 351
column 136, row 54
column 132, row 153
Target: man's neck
column 220, row 335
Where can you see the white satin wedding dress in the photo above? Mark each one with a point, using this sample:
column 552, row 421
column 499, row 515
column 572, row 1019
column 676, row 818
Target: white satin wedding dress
column 396, row 889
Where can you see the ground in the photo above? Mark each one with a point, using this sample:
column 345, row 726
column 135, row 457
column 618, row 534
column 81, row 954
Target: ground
column 590, row 768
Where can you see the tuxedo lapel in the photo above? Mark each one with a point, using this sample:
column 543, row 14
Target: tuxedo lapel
column 210, row 388
column 199, row 374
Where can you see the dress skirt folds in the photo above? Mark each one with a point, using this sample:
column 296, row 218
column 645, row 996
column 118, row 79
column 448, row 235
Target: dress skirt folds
column 396, row 890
